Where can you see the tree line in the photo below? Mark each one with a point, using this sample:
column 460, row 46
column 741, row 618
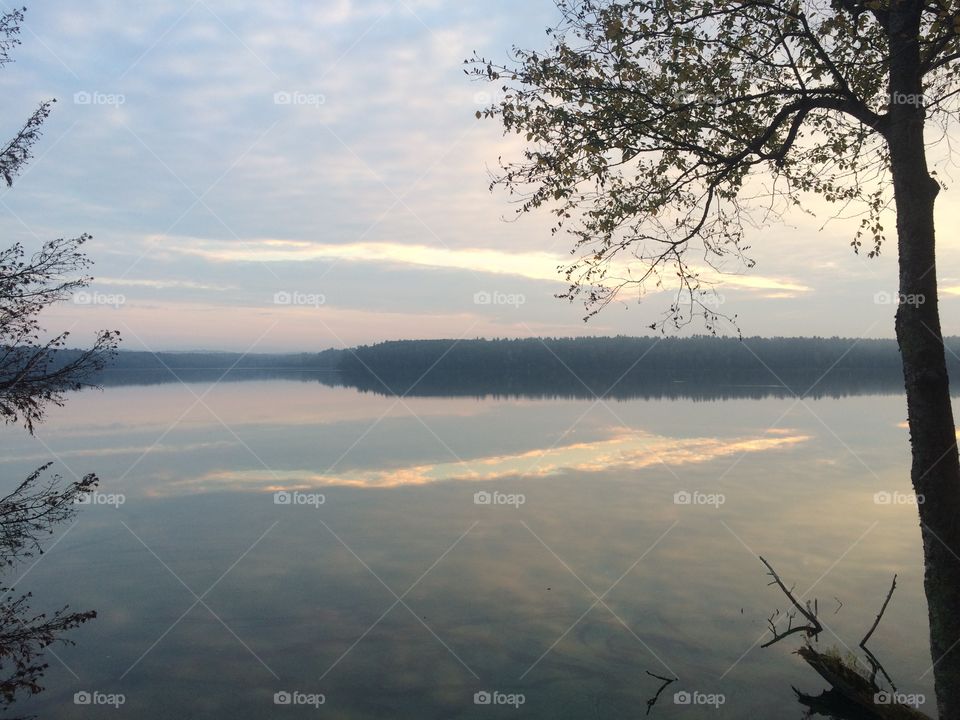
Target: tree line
column 629, row 366
column 699, row 367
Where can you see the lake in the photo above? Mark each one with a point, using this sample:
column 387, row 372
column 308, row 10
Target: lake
column 276, row 547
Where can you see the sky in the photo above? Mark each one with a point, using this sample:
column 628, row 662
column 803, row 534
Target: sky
column 289, row 176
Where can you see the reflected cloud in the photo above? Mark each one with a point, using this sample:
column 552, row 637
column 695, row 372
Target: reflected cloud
column 127, row 450
column 625, row 450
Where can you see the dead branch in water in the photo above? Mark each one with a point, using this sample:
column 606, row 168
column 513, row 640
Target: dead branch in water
column 852, row 695
column 813, row 627
column 666, row 681
column 874, row 662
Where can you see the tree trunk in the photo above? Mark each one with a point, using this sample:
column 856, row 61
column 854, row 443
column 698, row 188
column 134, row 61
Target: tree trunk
column 935, row 469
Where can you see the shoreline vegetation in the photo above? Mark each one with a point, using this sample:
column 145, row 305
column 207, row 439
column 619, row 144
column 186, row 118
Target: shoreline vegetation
column 622, row 367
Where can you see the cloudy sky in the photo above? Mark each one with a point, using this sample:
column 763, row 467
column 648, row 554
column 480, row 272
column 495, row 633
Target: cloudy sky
column 296, row 175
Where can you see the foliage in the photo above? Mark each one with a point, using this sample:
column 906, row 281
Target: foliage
column 33, row 374
column 659, row 131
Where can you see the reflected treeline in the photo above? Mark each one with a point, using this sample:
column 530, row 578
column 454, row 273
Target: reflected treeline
column 705, row 386
column 709, row 386
column 702, row 368
column 28, row 515
column 115, row 377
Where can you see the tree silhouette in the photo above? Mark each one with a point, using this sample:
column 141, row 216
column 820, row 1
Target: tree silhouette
column 35, row 372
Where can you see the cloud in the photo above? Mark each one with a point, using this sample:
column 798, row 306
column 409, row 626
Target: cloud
column 161, row 284
column 533, row 265
column 268, row 327
column 760, row 282
column 387, row 179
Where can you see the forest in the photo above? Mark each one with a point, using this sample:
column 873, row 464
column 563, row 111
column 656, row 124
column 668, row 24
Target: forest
column 620, row 367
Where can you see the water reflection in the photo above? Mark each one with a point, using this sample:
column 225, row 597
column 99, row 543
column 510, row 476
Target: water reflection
column 712, row 385
column 27, row 515
column 626, row 450
column 494, row 597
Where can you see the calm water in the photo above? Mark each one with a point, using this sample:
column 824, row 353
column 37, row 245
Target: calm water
column 400, row 596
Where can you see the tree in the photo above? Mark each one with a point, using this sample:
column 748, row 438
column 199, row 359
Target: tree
column 34, row 372
column 658, row 129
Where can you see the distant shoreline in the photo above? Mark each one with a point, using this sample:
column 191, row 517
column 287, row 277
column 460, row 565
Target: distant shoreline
column 614, row 367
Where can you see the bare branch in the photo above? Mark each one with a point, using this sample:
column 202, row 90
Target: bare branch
column 808, row 611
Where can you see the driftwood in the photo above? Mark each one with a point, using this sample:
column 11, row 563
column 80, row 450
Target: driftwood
column 858, row 693
column 853, row 695
column 833, row 704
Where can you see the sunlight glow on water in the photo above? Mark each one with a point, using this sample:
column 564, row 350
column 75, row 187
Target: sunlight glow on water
column 626, row 450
